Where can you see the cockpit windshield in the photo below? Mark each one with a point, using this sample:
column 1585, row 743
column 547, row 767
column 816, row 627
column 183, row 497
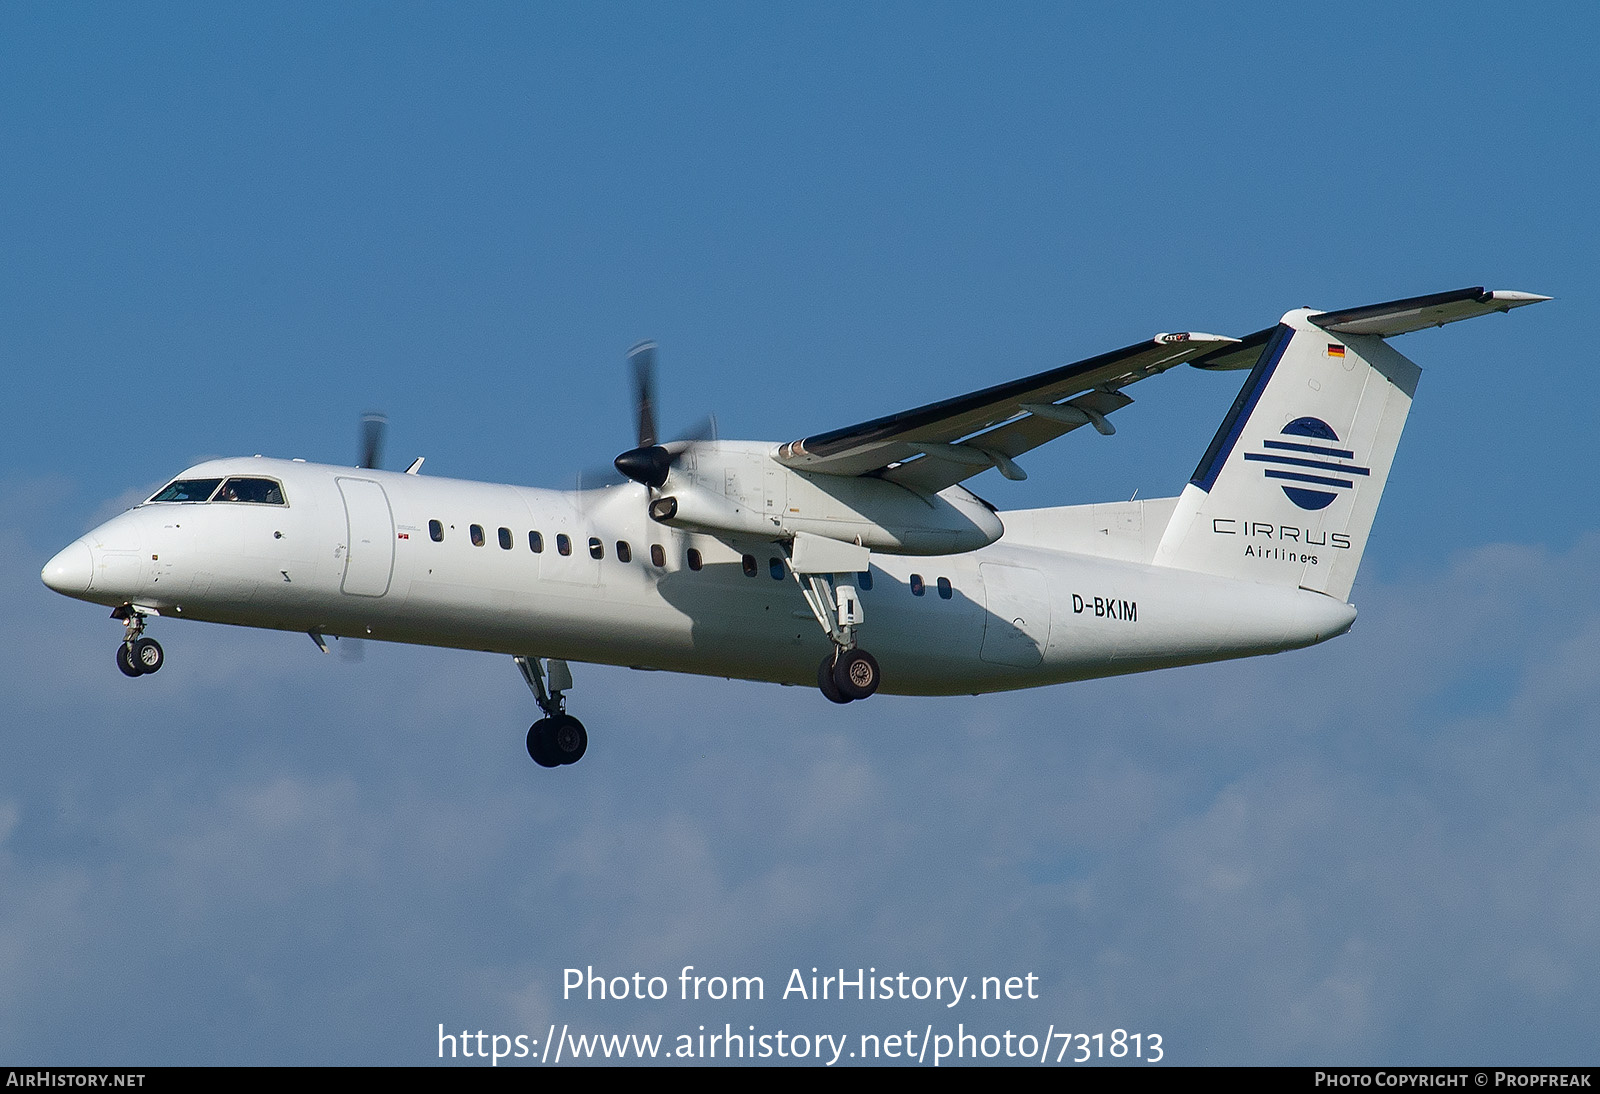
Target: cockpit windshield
column 188, row 490
column 253, row 491
column 257, row 491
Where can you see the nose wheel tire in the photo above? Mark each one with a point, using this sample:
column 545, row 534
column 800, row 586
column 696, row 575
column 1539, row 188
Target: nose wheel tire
column 140, row 657
column 147, row 655
column 556, row 741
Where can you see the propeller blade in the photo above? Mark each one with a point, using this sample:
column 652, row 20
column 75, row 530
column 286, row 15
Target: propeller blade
column 373, row 427
column 598, row 478
column 703, row 430
column 643, row 358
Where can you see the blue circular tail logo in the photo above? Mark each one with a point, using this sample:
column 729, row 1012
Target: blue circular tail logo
column 1304, row 459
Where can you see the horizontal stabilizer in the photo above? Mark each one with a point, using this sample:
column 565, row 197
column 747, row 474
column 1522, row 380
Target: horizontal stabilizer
column 1384, row 320
column 1414, row 313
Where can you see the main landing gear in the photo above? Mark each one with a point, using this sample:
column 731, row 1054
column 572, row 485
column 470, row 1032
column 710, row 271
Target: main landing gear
column 557, row 738
column 849, row 672
column 137, row 655
column 847, row 675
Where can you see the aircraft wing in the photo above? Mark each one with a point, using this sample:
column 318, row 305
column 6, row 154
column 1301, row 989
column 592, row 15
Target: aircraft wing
column 941, row 444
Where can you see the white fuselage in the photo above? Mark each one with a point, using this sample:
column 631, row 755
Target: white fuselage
column 352, row 552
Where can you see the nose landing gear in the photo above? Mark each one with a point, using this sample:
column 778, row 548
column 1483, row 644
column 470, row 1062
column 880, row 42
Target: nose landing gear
column 137, row 655
column 140, row 657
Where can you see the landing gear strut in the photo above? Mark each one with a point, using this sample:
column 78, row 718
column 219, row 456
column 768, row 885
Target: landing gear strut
column 137, row 655
column 557, row 738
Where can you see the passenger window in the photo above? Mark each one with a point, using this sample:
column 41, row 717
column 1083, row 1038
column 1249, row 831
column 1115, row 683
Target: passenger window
column 917, row 587
column 775, row 568
column 749, row 563
column 864, row 580
column 945, row 591
column 436, row 531
column 694, row 559
column 596, row 548
column 253, row 491
column 505, row 539
column 564, row 543
column 477, row 535
column 624, row 552
column 536, row 543
column 658, row 556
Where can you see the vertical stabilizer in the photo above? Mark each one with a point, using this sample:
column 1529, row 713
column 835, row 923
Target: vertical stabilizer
column 1287, row 492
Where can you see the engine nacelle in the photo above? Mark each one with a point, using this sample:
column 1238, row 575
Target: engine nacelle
column 702, row 511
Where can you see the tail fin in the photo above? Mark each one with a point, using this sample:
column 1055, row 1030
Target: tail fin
column 1287, row 492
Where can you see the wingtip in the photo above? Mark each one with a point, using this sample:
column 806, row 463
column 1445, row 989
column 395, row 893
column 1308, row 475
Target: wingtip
column 1516, row 299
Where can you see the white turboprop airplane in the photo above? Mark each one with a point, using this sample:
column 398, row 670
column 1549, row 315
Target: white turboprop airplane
column 755, row 560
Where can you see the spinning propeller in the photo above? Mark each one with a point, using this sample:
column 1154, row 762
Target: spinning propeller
column 373, row 427
column 651, row 462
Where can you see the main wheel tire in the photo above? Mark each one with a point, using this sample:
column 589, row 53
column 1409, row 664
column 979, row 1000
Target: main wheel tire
column 856, row 674
column 147, row 656
column 540, row 746
column 825, row 682
column 125, row 661
column 568, row 739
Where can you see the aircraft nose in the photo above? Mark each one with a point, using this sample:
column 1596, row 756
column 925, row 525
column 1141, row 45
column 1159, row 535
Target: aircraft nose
column 70, row 571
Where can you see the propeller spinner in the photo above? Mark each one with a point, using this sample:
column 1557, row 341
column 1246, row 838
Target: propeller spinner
column 649, row 466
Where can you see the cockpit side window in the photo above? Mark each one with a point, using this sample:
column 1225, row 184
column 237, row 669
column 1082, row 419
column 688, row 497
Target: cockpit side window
column 188, row 490
column 254, row 491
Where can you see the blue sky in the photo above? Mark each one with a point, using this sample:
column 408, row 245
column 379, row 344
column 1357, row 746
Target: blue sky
column 230, row 232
